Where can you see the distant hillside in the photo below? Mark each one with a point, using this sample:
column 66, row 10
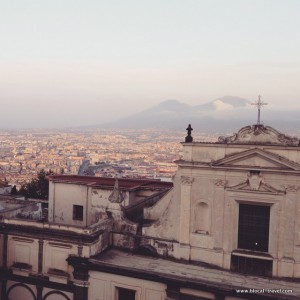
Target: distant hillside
column 227, row 101
column 222, row 114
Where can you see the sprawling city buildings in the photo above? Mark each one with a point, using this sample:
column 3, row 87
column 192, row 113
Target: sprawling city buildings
column 226, row 228
column 108, row 153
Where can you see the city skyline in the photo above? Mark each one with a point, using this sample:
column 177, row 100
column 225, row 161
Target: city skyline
column 75, row 64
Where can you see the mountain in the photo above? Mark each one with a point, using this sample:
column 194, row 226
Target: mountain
column 224, row 113
column 229, row 101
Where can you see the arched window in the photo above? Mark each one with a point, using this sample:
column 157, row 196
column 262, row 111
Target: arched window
column 201, row 218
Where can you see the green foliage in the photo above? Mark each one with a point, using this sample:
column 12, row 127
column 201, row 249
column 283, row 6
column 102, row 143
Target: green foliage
column 37, row 188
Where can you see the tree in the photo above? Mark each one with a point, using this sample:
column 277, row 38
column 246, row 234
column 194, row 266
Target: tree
column 37, row 188
column 14, row 190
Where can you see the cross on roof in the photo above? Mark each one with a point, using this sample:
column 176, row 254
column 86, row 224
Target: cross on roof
column 259, row 104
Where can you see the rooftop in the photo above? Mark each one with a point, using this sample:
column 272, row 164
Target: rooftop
column 260, row 134
column 118, row 262
column 257, row 134
column 110, row 182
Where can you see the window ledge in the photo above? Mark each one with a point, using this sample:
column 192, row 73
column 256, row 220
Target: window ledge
column 202, row 232
column 21, row 269
column 252, row 254
column 57, row 272
column 22, row 266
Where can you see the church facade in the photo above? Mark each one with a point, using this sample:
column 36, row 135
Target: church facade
column 228, row 228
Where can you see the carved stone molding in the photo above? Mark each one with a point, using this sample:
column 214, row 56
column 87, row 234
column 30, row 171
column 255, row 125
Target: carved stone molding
column 259, row 134
column 81, row 283
column 292, row 188
column 187, row 180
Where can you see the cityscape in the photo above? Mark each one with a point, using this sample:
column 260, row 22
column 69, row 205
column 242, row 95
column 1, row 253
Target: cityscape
column 104, row 153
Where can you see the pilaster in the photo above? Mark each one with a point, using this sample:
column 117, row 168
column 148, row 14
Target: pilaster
column 39, row 292
column 81, row 277
column 185, row 209
column 5, row 239
column 40, row 257
column 173, row 292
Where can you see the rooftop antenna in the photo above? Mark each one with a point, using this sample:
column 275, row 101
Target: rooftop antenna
column 259, row 104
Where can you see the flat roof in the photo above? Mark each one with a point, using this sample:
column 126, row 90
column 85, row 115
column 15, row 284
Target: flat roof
column 208, row 276
column 124, row 183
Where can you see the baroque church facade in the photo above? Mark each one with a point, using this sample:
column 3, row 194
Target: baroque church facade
column 227, row 228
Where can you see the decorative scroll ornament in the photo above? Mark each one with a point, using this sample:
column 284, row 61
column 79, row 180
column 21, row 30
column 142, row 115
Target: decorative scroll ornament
column 187, row 180
column 220, row 182
column 260, row 134
column 116, row 196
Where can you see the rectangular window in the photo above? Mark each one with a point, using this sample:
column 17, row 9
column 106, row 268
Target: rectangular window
column 253, row 229
column 125, row 294
column 78, row 212
column 251, row 266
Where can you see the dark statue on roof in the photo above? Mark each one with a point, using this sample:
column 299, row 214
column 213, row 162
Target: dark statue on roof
column 189, row 138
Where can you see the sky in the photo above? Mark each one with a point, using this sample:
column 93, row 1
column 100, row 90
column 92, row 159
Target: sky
column 74, row 62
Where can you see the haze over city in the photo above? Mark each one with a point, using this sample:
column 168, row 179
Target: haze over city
column 73, row 63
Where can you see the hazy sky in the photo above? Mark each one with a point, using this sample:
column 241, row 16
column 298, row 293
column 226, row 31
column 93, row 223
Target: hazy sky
column 76, row 62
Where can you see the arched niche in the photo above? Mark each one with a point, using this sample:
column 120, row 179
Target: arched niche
column 201, row 222
column 20, row 291
column 55, row 295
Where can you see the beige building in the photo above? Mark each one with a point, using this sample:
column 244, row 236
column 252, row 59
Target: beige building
column 228, row 228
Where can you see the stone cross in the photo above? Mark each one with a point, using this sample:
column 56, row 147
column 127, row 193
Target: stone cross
column 259, row 104
column 189, row 138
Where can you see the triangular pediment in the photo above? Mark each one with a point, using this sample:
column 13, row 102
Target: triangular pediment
column 257, row 158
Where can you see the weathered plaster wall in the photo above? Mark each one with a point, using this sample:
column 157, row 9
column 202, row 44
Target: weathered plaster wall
column 62, row 199
column 211, row 152
column 165, row 213
column 104, row 286
column 22, row 250
column 55, row 255
column 100, row 203
column 154, row 212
